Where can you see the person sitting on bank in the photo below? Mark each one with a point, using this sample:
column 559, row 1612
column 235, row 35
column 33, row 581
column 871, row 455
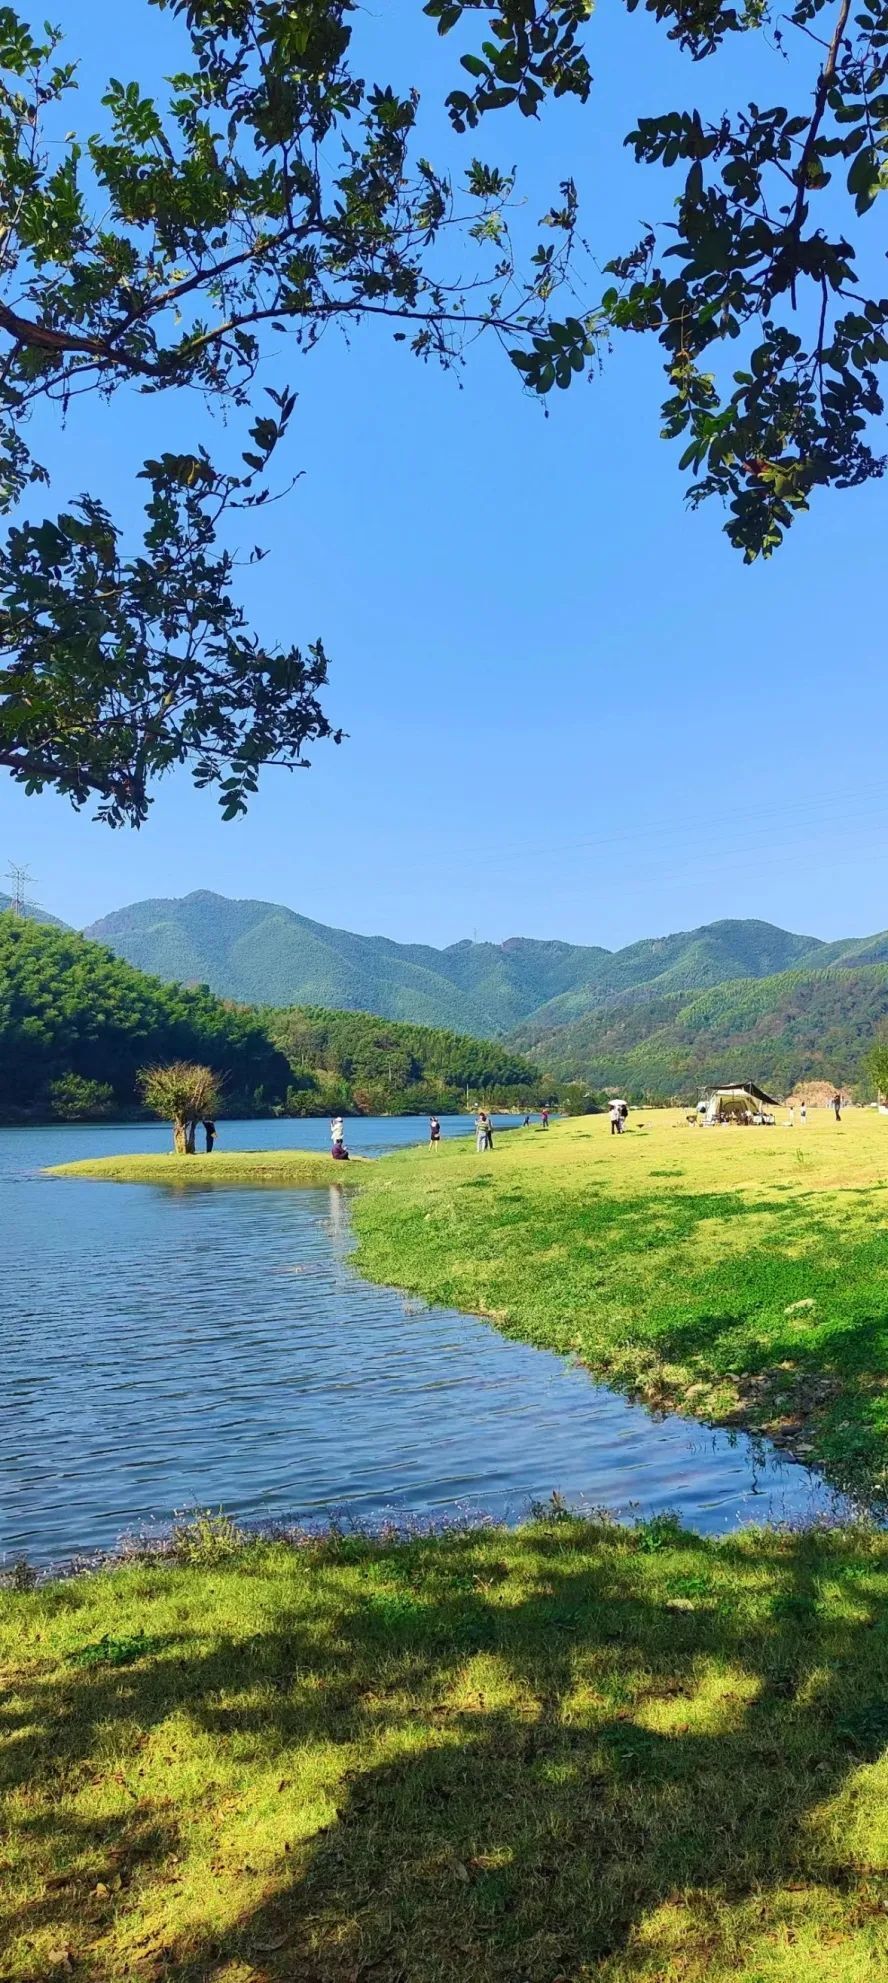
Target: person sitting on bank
column 339, row 1152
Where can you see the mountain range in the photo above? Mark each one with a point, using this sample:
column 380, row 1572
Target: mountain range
column 661, row 1016
column 265, row 954
column 262, row 953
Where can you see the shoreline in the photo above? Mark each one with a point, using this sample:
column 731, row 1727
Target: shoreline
column 416, row 1225
column 506, row 1242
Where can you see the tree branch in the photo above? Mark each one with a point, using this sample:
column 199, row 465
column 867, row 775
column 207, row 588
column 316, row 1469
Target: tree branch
column 826, row 77
column 42, row 338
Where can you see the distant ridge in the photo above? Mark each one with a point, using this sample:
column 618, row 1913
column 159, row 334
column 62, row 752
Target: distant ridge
column 263, row 953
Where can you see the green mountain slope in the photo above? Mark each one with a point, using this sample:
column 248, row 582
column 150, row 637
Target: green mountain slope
column 798, row 1025
column 852, row 951
column 262, row 953
column 357, row 1062
column 690, row 958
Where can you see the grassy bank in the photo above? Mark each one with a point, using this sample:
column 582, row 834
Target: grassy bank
column 562, row 1752
column 738, row 1275
column 222, row 1167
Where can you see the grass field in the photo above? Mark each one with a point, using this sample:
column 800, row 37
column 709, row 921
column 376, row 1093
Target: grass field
column 223, row 1167
column 563, row 1752
column 736, row 1274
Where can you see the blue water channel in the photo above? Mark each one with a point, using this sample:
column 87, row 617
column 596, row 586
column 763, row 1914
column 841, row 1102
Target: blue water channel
column 170, row 1349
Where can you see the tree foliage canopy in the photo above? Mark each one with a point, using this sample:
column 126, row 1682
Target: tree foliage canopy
column 877, row 1064
column 185, row 1092
column 276, row 193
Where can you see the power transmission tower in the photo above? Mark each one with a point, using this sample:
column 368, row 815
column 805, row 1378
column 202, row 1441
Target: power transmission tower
column 21, row 882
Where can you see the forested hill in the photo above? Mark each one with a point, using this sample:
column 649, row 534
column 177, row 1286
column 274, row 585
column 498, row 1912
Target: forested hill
column 796, row 1026
column 265, row 954
column 76, row 1025
column 374, row 1066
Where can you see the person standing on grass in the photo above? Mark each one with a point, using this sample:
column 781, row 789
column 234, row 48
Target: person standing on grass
column 434, row 1131
column 544, row 1118
column 210, row 1133
column 483, row 1134
column 837, row 1105
column 616, row 1119
column 337, row 1133
column 790, row 1119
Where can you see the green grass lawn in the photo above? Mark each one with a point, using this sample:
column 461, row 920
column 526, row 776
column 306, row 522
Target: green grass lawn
column 567, row 1751
column 279, row 1167
column 736, row 1274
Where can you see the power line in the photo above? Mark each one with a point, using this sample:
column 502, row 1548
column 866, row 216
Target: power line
column 668, row 838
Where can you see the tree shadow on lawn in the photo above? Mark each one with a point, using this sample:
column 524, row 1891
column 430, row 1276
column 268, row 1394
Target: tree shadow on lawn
column 574, row 1780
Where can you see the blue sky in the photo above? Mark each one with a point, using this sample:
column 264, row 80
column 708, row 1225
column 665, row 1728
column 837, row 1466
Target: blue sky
column 571, row 710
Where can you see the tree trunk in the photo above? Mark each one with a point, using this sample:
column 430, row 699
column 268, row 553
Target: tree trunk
column 190, row 1135
column 180, row 1143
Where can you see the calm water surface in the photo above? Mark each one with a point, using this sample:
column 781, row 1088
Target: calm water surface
column 163, row 1349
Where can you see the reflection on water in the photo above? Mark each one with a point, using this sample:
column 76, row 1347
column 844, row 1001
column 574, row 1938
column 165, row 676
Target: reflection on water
column 165, row 1349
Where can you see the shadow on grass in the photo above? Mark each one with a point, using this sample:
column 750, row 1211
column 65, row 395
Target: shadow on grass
column 550, row 1756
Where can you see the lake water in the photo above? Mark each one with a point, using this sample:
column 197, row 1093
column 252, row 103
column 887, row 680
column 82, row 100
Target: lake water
column 211, row 1347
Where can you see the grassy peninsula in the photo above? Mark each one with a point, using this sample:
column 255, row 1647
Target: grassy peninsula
column 280, row 1167
column 569, row 1751
column 736, row 1274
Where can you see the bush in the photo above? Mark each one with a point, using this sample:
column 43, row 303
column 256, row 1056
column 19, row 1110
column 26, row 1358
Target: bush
column 209, row 1537
column 74, row 1099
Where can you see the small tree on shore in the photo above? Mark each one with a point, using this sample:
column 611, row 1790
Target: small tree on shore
column 186, row 1093
column 877, row 1065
